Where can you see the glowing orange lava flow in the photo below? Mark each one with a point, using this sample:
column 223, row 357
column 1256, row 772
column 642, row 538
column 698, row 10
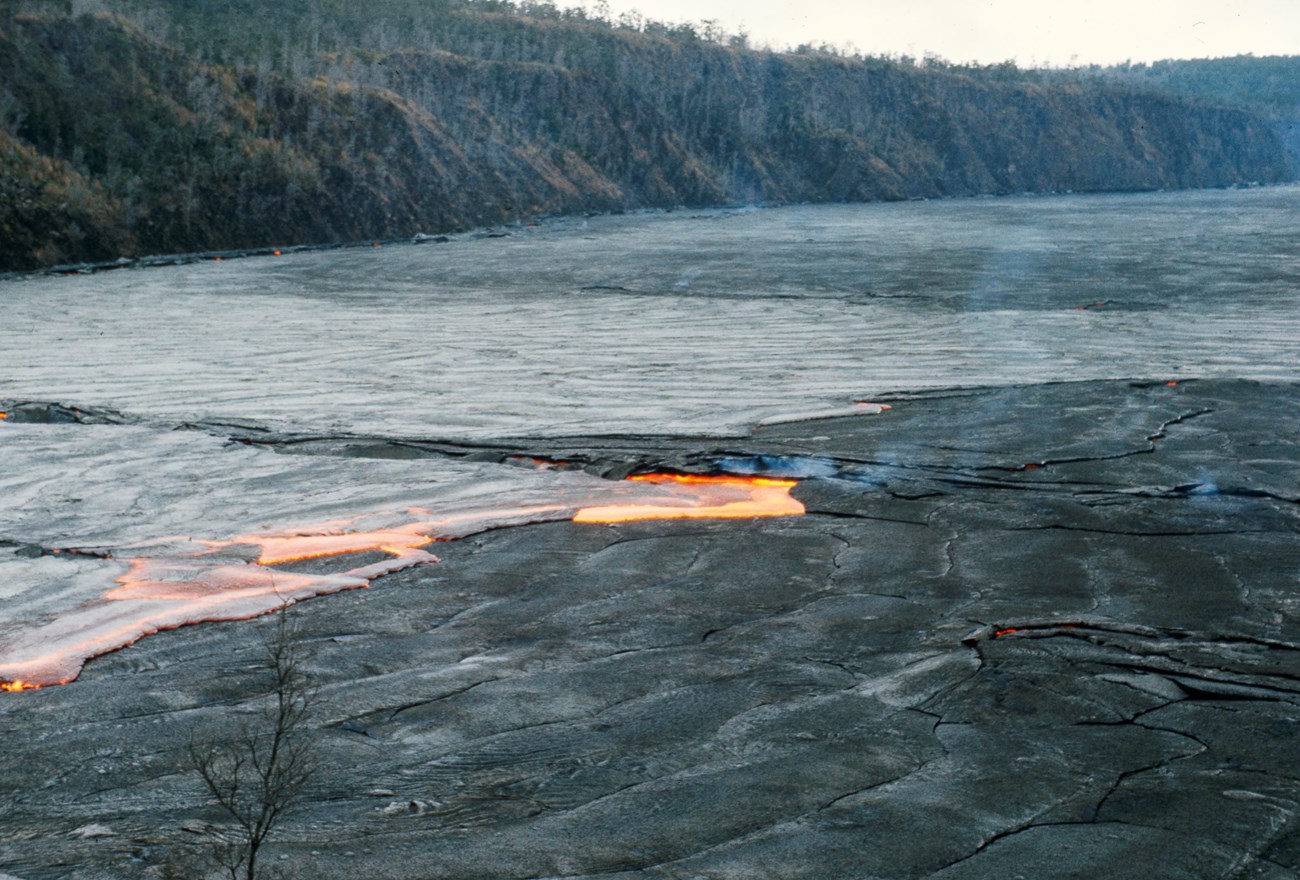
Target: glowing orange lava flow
column 157, row 594
column 711, row 498
column 297, row 547
column 185, row 582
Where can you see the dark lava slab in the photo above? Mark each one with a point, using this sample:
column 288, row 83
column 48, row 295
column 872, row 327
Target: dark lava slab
column 1044, row 631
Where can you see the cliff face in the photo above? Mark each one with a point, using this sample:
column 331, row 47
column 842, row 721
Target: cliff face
column 115, row 143
column 1269, row 86
column 49, row 211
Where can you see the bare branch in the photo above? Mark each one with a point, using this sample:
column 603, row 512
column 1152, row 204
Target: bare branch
column 257, row 777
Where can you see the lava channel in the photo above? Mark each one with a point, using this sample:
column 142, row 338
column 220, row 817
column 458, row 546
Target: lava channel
column 236, row 579
column 704, row 498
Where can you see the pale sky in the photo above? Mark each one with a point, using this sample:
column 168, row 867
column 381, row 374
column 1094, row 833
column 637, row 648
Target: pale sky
column 1026, row 31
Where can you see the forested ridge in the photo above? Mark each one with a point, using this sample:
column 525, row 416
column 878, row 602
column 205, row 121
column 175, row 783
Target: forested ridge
column 1267, row 85
column 1270, row 83
column 147, row 126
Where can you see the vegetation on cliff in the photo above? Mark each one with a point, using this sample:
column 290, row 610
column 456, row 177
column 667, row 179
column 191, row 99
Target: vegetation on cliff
column 1268, row 85
column 161, row 126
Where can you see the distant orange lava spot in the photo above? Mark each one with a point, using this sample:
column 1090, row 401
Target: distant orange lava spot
column 882, row 406
column 1033, row 467
column 1039, row 627
column 714, row 497
column 275, row 253
column 1171, row 384
column 4, row 415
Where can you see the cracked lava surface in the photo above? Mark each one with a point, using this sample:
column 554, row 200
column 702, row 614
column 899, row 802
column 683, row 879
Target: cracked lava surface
column 1041, row 619
column 950, row 666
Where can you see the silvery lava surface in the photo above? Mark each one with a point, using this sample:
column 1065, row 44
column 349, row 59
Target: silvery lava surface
column 689, row 322
column 680, row 322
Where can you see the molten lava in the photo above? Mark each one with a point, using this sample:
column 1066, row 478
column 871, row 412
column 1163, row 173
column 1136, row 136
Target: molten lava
column 1030, row 628
column 219, row 582
column 707, row 498
column 277, row 550
column 236, row 578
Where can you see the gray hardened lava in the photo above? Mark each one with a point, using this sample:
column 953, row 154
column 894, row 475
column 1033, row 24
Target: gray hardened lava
column 1040, row 631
